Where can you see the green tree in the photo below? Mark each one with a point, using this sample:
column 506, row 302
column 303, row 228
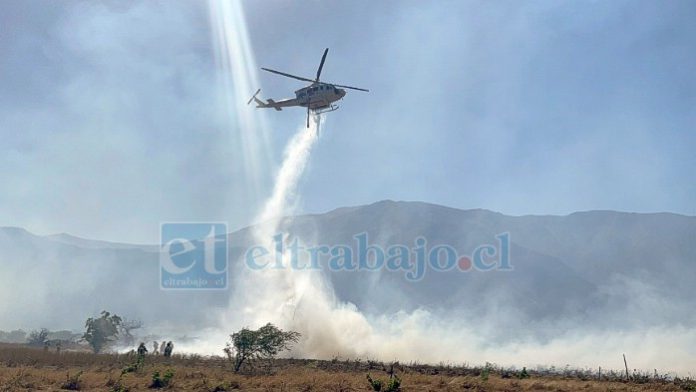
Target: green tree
column 263, row 343
column 102, row 330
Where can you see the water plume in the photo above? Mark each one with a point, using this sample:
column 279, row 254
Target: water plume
column 295, row 160
column 271, row 295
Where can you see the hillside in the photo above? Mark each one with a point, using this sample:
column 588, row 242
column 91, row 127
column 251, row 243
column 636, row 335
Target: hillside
column 602, row 269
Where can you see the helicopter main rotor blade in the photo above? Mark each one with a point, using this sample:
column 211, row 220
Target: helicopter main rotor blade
column 350, row 87
column 288, row 75
column 321, row 65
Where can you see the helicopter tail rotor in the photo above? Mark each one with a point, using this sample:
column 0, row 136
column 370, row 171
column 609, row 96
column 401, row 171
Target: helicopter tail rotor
column 254, row 96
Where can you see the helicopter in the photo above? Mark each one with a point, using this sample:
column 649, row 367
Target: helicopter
column 318, row 97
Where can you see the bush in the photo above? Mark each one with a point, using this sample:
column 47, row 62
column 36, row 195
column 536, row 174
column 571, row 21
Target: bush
column 266, row 342
column 135, row 366
column 72, row 383
column 523, row 374
column 116, row 385
column 161, row 381
column 393, row 385
column 375, row 384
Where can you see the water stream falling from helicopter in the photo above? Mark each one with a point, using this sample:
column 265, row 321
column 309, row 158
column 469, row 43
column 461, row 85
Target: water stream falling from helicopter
column 305, row 302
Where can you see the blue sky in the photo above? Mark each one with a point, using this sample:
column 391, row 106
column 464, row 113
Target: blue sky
column 110, row 119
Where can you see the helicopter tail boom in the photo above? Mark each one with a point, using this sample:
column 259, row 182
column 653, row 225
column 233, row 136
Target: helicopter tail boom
column 271, row 103
column 261, row 104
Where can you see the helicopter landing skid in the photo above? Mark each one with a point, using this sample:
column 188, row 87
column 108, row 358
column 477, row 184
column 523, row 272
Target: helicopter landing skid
column 326, row 110
column 320, row 111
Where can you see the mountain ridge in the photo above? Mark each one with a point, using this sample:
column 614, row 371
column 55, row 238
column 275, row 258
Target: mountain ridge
column 601, row 266
column 67, row 238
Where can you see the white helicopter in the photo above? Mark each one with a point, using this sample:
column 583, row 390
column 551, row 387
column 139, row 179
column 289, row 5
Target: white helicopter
column 318, row 97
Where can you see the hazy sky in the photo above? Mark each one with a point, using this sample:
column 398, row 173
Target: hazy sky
column 110, row 121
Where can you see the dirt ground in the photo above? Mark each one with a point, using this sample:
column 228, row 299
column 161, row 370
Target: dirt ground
column 29, row 369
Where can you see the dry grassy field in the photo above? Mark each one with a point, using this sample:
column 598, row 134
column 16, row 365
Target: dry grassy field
column 29, row 369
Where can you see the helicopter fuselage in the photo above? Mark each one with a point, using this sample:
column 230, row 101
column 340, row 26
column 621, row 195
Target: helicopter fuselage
column 318, row 95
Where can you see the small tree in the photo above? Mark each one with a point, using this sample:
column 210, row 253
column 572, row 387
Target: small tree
column 38, row 338
column 101, row 331
column 265, row 342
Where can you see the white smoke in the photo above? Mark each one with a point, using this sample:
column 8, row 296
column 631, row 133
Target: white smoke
column 302, row 300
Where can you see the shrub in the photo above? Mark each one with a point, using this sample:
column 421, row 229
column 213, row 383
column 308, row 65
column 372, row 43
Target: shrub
column 523, row 374
column 375, row 384
column 116, row 385
column 393, row 385
column 266, row 342
column 135, row 366
column 72, row 383
column 161, row 381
